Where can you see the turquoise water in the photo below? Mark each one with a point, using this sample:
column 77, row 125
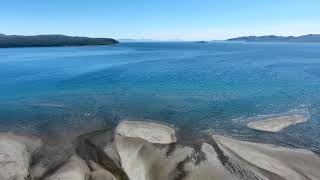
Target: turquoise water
column 201, row 89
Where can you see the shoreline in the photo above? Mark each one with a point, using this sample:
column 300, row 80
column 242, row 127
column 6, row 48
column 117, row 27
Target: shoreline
column 134, row 148
column 55, row 40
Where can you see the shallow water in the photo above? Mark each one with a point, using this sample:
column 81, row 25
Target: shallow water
column 201, row 89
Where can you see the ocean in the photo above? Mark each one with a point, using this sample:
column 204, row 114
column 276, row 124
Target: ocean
column 201, row 89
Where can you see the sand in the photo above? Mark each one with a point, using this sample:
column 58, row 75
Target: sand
column 150, row 151
column 134, row 143
column 273, row 162
column 142, row 158
column 276, row 124
column 152, row 132
column 98, row 173
column 15, row 155
column 74, row 169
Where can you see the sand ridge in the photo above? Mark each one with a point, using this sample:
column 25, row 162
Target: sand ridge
column 276, row 124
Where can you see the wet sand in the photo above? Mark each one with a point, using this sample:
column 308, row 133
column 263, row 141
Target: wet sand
column 139, row 150
column 293, row 164
column 276, row 124
column 150, row 131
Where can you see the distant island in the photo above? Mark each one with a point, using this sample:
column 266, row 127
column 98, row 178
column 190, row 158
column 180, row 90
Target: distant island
column 201, row 42
column 310, row 38
column 8, row 41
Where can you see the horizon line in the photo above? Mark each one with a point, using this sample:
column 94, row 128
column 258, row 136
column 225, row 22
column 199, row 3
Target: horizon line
column 163, row 39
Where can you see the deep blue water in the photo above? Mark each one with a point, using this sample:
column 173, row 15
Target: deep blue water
column 201, row 89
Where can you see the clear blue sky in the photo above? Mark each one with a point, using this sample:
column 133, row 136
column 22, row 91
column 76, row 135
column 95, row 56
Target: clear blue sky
column 160, row 19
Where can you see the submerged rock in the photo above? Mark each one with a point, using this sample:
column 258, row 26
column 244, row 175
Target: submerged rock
column 15, row 155
column 276, row 124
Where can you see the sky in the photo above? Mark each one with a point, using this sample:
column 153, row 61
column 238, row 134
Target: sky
column 160, row 19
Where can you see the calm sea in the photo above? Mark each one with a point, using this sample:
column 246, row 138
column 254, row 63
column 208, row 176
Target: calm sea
column 201, row 89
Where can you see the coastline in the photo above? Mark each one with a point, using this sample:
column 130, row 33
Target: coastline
column 18, row 41
column 142, row 150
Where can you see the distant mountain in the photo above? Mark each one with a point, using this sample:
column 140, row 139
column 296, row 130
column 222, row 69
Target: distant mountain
column 310, row 38
column 7, row 41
